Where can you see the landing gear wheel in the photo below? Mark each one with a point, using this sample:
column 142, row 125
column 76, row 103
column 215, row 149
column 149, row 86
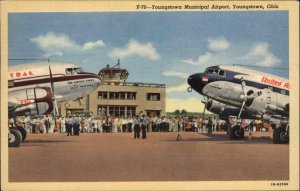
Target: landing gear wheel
column 280, row 136
column 23, row 132
column 14, row 138
column 236, row 132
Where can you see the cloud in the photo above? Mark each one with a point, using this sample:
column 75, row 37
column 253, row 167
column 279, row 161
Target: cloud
column 52, row 42
column 59, row 44
column 218, row 44
column 91, row 45
column 176, row 74
column 191, row 104
column 268, row 61
column 47, row 55
column 178, row 88
column 260, row 55
column 202, row 59
column 136, row 48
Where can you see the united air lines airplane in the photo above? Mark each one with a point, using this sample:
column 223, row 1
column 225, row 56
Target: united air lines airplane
column 36, row 88
column 245, row 93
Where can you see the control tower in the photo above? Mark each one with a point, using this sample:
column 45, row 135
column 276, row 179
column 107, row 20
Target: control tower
column 113, row 75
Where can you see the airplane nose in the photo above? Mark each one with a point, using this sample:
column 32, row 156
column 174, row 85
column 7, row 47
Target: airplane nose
column 98, row 80
column 189, row 81
column 195, row 81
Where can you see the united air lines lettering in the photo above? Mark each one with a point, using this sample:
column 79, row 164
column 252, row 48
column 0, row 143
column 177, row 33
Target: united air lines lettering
column 275, row 82
column 287, row 85
column 21, row 74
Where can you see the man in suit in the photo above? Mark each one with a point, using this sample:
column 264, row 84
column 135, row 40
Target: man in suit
column 69, row 124
column 76, row 125
column 144, row 126
column 136, row 127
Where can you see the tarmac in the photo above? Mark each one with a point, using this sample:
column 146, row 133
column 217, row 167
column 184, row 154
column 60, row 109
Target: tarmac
column 106, row 157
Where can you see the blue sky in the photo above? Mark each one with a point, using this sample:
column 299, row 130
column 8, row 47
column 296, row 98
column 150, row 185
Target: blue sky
column 157, row 47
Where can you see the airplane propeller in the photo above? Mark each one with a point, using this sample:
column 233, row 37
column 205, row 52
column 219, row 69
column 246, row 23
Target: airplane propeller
column 203, row 113
column 53, row 94
column 243, row 84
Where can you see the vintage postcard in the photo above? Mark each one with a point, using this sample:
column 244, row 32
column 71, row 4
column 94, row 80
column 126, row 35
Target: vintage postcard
column 149, row 95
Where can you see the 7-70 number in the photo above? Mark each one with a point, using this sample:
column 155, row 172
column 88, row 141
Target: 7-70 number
column 141, row 7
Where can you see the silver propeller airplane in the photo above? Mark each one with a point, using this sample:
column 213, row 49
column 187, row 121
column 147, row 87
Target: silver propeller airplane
column 36, row 88
column 245, row 93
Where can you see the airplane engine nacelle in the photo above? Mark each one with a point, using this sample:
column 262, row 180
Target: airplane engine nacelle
column 268, row 102
column 225, row 111
column 31, row 101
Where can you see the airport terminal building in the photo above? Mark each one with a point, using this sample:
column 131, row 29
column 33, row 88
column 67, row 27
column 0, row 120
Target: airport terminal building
column 117, row 97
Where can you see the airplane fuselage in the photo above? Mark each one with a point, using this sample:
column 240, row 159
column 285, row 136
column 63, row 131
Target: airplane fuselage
column 224, row 84
column 70, row 82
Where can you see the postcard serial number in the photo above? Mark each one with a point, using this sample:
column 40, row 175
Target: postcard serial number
column 279, row 184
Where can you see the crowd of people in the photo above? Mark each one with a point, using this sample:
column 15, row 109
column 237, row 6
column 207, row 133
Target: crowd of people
column 73, row 125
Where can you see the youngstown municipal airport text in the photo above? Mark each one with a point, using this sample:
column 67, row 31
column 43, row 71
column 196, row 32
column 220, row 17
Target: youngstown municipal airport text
column 190, row 7
column 201, row 7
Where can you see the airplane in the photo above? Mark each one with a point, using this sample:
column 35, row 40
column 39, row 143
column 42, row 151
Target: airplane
column 36, row 88
column 245, row 93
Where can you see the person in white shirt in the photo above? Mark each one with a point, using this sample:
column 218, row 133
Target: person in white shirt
column 99, row 125
column 95, row 124
column 27, row 124
column 89, row 125
column 115, row 127
column 62, row 125
column 214, row 126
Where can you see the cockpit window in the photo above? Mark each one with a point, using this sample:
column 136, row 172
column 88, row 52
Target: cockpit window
column 72, row 71
column 215, row 71
column 209, row 70
column 78, row 70
column 69, row 71
column 222, row 73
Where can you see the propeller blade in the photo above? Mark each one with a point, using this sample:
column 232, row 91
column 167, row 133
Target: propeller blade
column 53, row 94
column 243, row 104
column 205, row 104
column 203, row 113
column 243, row 84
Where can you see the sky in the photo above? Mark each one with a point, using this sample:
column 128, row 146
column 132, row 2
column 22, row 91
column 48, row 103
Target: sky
column 155, row 47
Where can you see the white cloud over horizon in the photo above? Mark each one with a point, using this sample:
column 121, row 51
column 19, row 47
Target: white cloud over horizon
column 176, row 74
column 260, row 52
column 202, row 59
column 218, row 44
column 260, row 55
column 215, row 45
column 91, row 45
column 54, row 44
column 177, row 88
column 191, row 104
column 135, row 48
column 47, row 55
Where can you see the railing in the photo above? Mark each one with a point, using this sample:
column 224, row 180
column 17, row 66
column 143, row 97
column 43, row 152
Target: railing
column 139, row 84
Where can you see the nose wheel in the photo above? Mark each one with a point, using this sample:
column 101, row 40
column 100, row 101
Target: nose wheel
column 236, row 132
